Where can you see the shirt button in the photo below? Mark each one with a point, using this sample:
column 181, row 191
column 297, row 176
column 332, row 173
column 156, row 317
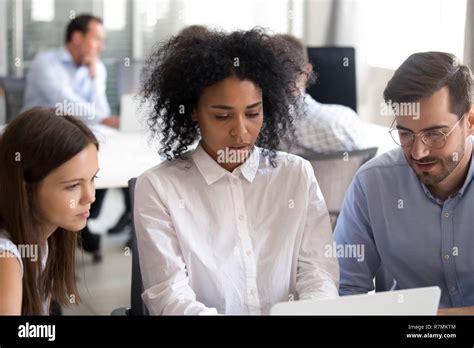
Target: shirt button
column 446, row 257
column 452, row 289
column 252, row 292
column 248, row 253
column 446, row 215
column 241, row 217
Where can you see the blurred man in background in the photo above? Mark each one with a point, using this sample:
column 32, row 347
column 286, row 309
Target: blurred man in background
column 72, row 79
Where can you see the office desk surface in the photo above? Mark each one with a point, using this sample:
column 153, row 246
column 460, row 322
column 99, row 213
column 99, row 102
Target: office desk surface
column 123, row 156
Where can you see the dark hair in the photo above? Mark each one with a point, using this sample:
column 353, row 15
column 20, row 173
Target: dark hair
column 294, row 49
column 80, row 23
column 425, row 73
column 32, row 145
column 295, row 45
column 178, row 72
column 199, row 31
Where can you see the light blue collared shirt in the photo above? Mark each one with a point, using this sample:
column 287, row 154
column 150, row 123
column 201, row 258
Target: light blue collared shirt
column 54, row 80
column 420, row 240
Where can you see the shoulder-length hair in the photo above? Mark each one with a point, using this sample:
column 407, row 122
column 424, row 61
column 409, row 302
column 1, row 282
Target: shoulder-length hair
column 32, row 145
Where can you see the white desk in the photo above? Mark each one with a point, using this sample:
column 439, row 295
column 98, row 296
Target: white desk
column 123, row 156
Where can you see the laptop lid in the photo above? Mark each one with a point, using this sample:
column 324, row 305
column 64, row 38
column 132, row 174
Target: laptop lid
column 418, row 301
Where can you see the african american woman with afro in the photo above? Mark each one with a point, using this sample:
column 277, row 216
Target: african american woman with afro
column 227, row 224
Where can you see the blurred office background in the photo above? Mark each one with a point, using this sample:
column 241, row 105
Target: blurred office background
column 383, row 34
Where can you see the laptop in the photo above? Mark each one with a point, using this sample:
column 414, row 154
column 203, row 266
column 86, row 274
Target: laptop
column 133, row 113
column 418, row 301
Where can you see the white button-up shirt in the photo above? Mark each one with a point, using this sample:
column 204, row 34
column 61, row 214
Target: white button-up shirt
column 213, row 241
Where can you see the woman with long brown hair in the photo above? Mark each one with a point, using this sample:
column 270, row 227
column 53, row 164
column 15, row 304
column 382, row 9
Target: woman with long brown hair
column 48, row 166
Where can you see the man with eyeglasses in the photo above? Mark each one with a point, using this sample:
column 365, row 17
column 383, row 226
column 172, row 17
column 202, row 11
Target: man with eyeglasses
column 412, row 209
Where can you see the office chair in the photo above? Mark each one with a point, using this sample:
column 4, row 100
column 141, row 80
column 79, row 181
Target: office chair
column 384, row 281
column 334, row 172
column 128, row 77
column 335, row 75
column 137, row 307
column 14, row 92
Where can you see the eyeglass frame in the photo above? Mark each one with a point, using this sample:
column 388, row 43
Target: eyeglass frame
column 424, row 131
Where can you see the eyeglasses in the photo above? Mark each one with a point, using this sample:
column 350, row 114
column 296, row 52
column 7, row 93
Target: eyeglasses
column 434, row 139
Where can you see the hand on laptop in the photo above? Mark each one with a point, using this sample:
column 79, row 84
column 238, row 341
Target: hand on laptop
column 457, row 311
column 111, row 121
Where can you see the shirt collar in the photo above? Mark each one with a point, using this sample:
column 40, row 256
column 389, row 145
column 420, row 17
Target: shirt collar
column 469, row 176
column 309, row 100
column 212, row 171
column 64, row 55
column 250, row 166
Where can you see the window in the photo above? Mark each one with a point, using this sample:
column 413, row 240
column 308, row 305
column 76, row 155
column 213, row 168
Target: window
column 42, row 10
column 397, row 28
column 158, row 19
column 115, row 15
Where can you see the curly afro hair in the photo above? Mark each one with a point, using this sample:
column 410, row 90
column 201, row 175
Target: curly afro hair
column 180, row 69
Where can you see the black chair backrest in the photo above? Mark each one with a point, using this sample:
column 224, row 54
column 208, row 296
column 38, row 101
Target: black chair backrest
column 335, row 75
column 334, row 172
column 137, row 307
column 14, row 93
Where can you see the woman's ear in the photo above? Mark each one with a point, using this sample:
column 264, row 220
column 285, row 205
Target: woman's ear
column 194, row 115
